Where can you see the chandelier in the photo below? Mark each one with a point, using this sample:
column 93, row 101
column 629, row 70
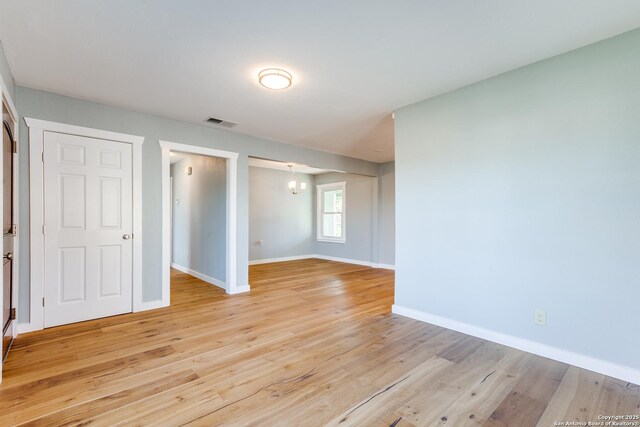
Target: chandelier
column 294, row 186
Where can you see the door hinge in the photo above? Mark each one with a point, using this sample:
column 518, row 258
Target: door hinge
column 43, row 302
column 43, row 157
column 43, row 229
column 12, row 316
column 14, row 146
column 14, row 229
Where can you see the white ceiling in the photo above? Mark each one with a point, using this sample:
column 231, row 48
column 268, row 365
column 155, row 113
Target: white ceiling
column 272, row 164
column 353, row 62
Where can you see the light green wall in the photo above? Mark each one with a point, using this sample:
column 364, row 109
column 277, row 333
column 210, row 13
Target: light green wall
column 199, row 220
column 523, row 192
column 283, row 221
column 361, row 227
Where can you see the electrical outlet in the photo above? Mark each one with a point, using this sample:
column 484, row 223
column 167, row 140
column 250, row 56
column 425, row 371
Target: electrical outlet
column 540, row 317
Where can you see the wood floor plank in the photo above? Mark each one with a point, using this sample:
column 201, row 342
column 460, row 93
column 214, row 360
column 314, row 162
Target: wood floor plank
column 575, row 399
column 526, row 403
column 78, row 413
column 313, row 343
column 375, row 408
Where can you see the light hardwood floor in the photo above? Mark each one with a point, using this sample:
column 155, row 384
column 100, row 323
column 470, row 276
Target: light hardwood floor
column 313, row 344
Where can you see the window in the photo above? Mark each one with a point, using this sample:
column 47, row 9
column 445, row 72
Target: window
column 331, row 212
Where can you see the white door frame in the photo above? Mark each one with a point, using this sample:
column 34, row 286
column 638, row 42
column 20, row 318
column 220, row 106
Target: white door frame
column 36, row 211
column 231, row 286
column 15, row 283
column 171, row 219
column 5, row 98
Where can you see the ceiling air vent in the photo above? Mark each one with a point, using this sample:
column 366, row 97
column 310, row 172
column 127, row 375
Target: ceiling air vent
column 220, row 122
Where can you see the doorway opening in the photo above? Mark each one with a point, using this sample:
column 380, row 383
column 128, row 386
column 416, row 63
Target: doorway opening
column 199, row 216
column 298, row 211
column 199, row 200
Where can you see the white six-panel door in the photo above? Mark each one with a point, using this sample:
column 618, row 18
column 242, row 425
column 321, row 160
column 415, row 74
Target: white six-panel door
column 87, row 228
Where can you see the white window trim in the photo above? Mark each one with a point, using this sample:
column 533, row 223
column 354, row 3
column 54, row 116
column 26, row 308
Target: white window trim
column 320, row 189
column 36, row 213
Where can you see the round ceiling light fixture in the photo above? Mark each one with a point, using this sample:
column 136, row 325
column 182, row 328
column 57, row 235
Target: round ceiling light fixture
column 275, row 78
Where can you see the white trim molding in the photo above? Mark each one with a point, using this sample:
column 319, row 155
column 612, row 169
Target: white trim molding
column 320, row 190
column 240, row 290
column 37, row 128
column 6, row 101
column 231, row 286
column 23, row 328
column 281, row 259
column 151, row 305
column 355, row 261
column 82, row 131
column 324, row 257
column 346, row 260
column 15, row 269
column 203, row 277
column 7, row 97
column 576, row 359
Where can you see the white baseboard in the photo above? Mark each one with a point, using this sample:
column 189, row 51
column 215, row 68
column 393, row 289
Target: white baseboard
column 325, row 257
column 580, row 360
column 346, row 260
column 282, row 259
column 200, row 276
column 23, row 328
column 356, row 262
column 241, row 289
column 151, row 305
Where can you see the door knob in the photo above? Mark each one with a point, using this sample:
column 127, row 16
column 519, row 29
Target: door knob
column 126, row 237
column 8, row 256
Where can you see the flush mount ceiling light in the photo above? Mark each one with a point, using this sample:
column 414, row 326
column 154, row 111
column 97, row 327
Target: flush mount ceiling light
column 274, row 78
